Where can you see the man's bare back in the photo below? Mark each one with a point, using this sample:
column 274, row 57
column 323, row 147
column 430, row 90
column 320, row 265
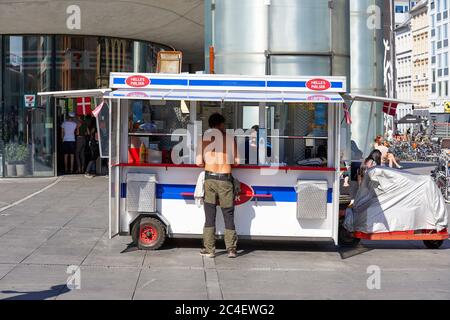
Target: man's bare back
column 216, row 158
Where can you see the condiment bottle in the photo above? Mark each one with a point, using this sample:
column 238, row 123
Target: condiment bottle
column 142, row 153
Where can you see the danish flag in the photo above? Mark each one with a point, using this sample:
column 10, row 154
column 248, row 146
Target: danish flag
column 390, row 108
column 98, row 109
column 348, row 117
column 84, row 106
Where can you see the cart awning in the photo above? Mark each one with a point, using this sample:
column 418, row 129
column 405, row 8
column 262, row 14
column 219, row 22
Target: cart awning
column 367, row 98
column 225, row 95
column 93, row 93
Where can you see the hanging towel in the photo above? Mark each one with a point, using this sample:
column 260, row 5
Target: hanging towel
column 199, row 193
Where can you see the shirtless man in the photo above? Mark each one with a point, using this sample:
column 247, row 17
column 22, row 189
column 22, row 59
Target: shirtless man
column 219, row 188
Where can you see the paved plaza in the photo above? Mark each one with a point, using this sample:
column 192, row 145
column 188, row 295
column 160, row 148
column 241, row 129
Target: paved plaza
column 42, row 234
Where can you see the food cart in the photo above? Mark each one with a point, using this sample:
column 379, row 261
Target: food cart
column 291, row 195
column 284, row 197
column 155, row 121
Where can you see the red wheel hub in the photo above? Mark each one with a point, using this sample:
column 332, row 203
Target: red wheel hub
column 148, row 234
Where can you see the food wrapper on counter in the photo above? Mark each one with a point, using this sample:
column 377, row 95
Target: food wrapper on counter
column 392, row 200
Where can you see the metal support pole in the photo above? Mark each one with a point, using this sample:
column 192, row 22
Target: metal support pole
column 370, row 124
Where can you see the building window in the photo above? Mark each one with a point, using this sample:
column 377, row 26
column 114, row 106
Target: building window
column 36, row 63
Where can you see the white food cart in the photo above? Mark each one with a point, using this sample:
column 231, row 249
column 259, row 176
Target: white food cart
column 293, row 194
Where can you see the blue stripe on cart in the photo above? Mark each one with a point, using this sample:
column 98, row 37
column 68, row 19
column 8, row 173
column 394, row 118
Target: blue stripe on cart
column 175, row 191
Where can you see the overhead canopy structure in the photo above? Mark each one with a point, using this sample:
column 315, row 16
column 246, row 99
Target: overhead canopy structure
column 225, row 96
column 94, row 93
column 367, row 98
column 226, row 88
column 411, row 119
column 215, row 88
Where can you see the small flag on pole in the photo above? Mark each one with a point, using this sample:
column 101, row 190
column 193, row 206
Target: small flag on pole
column 348, row 117
column 390, row 108
column 98, row 109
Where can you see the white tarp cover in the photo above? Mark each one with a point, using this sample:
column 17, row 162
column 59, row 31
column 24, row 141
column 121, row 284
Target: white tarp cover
column 392, row 200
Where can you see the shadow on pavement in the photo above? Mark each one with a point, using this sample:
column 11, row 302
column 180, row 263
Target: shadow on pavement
column 346, row 252
column 246, row 247
column 37, row 295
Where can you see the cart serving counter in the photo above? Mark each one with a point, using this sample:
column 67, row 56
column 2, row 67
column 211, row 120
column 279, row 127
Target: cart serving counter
column 289, row 168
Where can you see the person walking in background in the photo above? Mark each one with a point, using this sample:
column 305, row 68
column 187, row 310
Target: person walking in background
column 69, row 128
column 81, row 139
column 94, row 153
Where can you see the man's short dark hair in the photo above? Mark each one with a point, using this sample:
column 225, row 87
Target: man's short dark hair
column 215, row 120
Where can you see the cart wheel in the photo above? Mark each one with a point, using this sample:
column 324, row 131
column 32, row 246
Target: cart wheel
column 346, row 239
column 148, row 234
column 433, row 244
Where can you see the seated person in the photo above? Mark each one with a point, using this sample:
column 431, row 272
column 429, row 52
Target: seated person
column 374, row 159
column 387, row 155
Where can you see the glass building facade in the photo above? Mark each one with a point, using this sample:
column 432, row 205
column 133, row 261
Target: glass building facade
column 29, row 64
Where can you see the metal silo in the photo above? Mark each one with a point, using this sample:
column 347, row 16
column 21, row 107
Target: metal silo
column 284, row 37
column 367, row 68
column 238, row 31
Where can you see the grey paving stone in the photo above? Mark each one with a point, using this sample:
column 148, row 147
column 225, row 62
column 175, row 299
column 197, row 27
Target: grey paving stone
column 8, row 219
column 13, row 190
column 104, row 283
column 48, row 219
column 27, row 235
column 76, row 237
column 402, row 258
column 27, row 282
column 58, row 255
column 175, row 257
column 15, row 254
column 244, row 284
column 90, row 220
column 255, row 259
column 171, row 284
column 67, row 246
column 109, row 252
column 5, row 268
column 317, row 284
column 5, row 229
